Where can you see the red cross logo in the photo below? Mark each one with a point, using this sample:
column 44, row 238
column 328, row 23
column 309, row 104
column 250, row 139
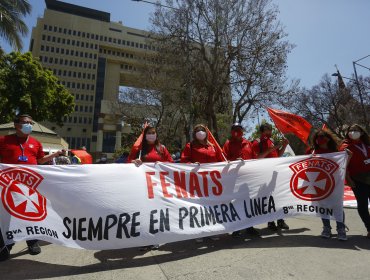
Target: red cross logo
column 313, row 178
column 19, row 195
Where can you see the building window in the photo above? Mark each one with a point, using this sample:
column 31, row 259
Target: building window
column 109, row 141
column 45, row 27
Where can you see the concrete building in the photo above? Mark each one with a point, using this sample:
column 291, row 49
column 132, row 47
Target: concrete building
column 92, row 57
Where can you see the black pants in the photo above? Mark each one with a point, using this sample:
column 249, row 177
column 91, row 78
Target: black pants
column 362, row 194
column 10, row 246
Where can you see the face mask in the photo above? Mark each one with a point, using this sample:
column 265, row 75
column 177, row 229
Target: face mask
column 237, row 134
column 201, row 135
column 26, row 128
column 321, row 140
column 354, row 135
column 151, row 137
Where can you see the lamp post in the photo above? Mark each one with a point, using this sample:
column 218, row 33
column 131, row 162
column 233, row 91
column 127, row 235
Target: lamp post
column 188, row 79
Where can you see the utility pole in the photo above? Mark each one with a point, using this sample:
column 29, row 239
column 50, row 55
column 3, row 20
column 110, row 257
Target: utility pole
column 364, row 114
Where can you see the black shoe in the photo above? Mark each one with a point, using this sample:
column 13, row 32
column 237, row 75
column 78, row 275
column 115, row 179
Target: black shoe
column 237, row 234
column 34, row 249
column 5, row 253
column 252, row 231
column 272, row 226
column 281, row 224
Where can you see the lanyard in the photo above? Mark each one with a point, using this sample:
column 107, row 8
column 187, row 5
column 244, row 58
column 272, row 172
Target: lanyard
column 21, row 146
column 363, row 149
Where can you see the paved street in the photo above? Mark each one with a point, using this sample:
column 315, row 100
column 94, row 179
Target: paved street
column 294, row 254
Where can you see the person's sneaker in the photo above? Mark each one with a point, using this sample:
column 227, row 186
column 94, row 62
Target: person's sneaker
column 252, row 231
column 154, row 247
column 272, row 226
column 326, row 232
column 281, row 224
column 199, row 240
column 215, row 238
column 237, row 234
column 34, row 249
column 4, row 253
column 342, row 234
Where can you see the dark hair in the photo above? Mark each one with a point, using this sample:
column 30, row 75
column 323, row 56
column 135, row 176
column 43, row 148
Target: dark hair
column 18, row 117
column 364, row 137
column 265, row 126
column 145, row 144
column 332, row 143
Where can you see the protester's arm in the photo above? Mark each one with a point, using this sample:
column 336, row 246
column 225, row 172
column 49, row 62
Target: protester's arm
column 166, row 155
column 186, row 154
column 50, row 157
column 283, row 147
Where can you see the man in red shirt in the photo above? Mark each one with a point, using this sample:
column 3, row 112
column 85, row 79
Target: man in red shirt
column 239, row 148
column 265, row 148
column 21, row 148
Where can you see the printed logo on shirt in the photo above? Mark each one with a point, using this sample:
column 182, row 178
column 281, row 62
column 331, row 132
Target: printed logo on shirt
column 19, row 194
column 31, row 146
column 312, row 178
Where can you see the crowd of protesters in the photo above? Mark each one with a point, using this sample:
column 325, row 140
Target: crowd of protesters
column 21, row 148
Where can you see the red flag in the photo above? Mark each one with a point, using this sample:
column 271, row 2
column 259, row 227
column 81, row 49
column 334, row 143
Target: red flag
column 290, row 123
column 138, row 143
column 214, row 142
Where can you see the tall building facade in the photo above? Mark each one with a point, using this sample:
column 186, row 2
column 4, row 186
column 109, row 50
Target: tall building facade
column 92, row 57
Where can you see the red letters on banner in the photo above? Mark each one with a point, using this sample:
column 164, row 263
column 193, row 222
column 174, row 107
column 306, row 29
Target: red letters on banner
column 193, row 184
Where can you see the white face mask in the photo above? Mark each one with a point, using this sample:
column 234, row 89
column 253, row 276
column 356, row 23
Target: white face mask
column 201, row 135
column 354, row 135
column 151, row 137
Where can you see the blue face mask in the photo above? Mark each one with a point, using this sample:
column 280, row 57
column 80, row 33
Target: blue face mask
column 26, row 128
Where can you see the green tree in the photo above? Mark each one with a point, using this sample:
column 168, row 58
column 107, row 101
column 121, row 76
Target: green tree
column 12, row 26
column 28, row 88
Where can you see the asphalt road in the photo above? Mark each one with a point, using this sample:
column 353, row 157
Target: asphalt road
column 298, row 253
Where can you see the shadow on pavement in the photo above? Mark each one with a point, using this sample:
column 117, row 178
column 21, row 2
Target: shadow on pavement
column 133, row 257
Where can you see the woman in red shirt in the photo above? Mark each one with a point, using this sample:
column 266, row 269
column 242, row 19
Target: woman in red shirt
column 358, row 175
column 200, row 150
column 325, row 142
column 151, row 150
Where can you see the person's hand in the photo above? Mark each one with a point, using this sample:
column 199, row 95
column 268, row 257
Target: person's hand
column 60, row 153
column 197, row 162
column 137, row 162
column 285, row 142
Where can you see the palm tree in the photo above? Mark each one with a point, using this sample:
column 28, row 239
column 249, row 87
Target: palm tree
column 12, row 26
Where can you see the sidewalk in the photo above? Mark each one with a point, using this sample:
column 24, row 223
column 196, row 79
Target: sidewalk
column 298, row 253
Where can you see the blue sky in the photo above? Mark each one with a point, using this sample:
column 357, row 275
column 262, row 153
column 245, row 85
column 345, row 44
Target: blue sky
column 325, row 32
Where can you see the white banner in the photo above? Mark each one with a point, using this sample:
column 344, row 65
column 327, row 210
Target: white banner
column 120, row 205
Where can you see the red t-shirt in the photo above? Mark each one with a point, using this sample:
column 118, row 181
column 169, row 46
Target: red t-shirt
column 11, row 149
column 152, row 155
column 195, row 152
column 234, row 149
column 319, row 151
column 360, row 153
column 264, row 142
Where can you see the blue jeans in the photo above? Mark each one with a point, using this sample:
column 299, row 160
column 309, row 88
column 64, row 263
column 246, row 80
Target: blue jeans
column 340, row 225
